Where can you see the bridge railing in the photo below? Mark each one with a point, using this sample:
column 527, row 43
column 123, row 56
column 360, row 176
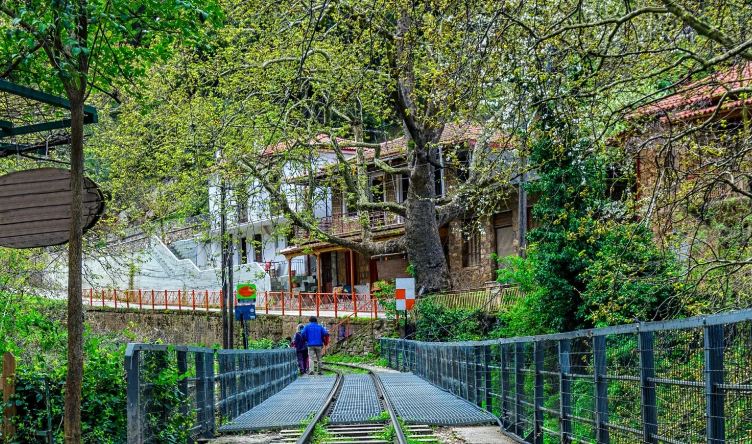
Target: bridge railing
column 175, row 390
column 681, row 381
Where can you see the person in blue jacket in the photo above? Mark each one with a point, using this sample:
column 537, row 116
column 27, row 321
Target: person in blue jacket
column 302, row 349
column 316, row 336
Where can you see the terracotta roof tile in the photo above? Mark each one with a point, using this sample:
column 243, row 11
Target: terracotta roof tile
column 452, row 133
column 319, row 139
column 699, row 94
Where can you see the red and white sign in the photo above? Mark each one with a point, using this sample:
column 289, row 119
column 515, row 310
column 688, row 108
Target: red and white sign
column 404, row 294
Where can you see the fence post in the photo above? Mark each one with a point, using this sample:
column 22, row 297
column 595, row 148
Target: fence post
column 336, row 298
column 193, row 299
column 487, row 377
column 714, row 395
column 318, row 304
column 183, row 379
column 266, row 301
column 165, row 299
column 210, row 393
column 519, row 388
column 300, row 304
column 504, row 384
column 538, row 392
column 133, row 379
column 91, row 297
column 477, row 377
column 201, row 416
column 152, row 299
column 565, row 391
column 103, row 297
column 114, row 293
column 355, row 304
column 207, row 300
column 647, row 373
column 283, row 301
column 601, row 390
column 180, row 301
column 8, row 385
column 402, row 367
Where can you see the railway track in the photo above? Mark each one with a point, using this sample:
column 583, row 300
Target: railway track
column 338, row 423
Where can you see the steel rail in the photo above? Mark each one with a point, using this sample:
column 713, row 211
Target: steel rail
column 308, row 432
column 399, row 433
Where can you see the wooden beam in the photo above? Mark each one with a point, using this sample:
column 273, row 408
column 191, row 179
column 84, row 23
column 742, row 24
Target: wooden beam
column 289, row 276
column 318, row 272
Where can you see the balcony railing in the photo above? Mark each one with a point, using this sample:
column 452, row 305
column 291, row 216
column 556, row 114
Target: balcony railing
column 349, row 223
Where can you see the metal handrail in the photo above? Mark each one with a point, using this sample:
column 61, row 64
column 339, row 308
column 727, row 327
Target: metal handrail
column 706, row 354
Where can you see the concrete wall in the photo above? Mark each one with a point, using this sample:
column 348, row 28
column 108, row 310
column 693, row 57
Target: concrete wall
column 205, row 329
column 156, row 267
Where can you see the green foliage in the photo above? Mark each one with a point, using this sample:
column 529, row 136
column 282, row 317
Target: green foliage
column 33, row 330
column 588, row 264
column 367, row 359
column 265, row 343
column 436, row 323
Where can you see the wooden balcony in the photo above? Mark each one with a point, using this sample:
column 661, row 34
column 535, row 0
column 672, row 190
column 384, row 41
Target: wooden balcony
column 349, row 224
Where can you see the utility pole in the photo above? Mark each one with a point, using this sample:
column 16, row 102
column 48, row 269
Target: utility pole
column 230, row 294
column 522, row 214
column 223, row 254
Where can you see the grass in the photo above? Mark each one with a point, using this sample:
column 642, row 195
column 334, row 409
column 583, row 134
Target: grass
column 370, row 359
column 345, row 369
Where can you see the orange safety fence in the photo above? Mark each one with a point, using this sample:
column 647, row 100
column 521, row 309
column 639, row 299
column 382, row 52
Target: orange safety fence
column 336, row 304
column 192, row 300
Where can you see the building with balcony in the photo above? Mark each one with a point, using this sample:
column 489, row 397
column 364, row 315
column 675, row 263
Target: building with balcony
column 468, row 244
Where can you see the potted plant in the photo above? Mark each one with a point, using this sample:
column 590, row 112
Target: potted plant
column 295, row 281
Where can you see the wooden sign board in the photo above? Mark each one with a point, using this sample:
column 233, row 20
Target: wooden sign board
column 35, row 207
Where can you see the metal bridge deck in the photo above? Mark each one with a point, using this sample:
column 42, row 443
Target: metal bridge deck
column 297, row 402
column 419, row 402
column 357, row 402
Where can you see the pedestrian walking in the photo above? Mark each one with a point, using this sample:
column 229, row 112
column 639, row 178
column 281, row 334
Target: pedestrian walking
column 301, row 347
column 316, row 336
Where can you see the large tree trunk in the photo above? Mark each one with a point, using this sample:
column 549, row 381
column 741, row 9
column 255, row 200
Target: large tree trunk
column 422, row 240
column 74, row 378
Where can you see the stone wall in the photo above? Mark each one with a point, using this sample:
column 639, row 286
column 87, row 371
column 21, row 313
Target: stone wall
column 205, row 329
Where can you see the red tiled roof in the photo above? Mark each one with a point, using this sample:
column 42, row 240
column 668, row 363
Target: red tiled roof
column 695, row 99
column 319, row 139
column 452, row 133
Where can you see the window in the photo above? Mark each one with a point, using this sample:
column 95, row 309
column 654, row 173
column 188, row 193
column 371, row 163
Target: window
column 404, row 187
column 438, row 179
column 470, row 245
column 504, row 234
column 241, row 203
column 243, row 250
column 347, row 206
column 463, row 165
column 376, row 188
column 258, row 248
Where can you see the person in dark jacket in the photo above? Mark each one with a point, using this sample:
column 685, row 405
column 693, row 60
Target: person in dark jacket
column 301, row 347
column 316, row 336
